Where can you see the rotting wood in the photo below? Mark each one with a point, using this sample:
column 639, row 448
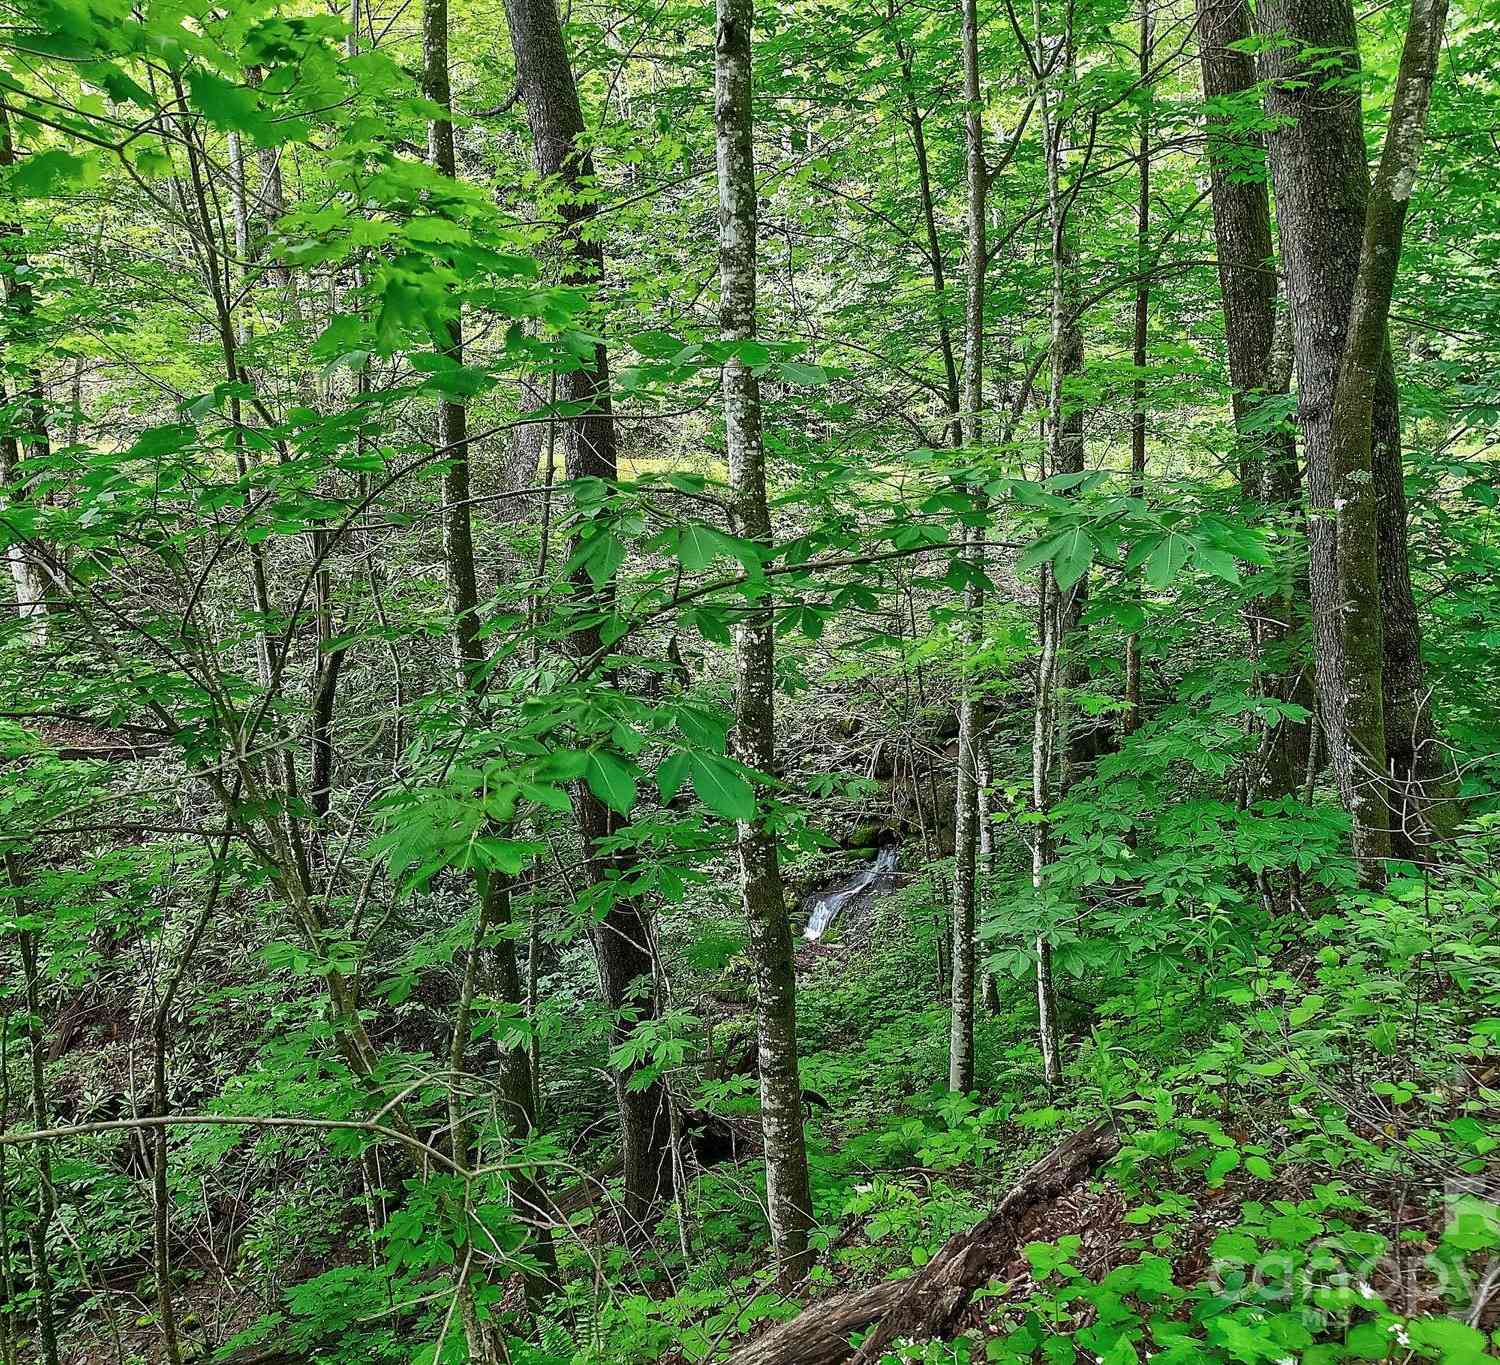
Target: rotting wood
column 931, row 1304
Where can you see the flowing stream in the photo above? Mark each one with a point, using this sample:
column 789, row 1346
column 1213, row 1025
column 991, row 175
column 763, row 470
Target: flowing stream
column 828, row 907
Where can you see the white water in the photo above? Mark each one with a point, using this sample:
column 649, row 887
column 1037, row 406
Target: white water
column 827, row 909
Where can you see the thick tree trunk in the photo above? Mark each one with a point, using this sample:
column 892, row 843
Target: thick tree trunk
column 621, row 941
column 788, row 1194
column 1322, row 192
column 1269, row 477
column 1365, row 360
column 970, row 707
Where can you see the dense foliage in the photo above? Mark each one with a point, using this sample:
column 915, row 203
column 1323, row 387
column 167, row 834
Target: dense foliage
column 507, row 522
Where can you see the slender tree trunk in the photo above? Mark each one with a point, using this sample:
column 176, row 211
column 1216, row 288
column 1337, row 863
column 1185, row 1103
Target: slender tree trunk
column 621, row 940
column 9, row 1309
column 971, row 704
column 28, row 578
column 1055, row 611
column 493, row 941
column 30, row 591
column 788, row 1194
column 916, row 126
column 41, row 1227
column 1065, row 411
column 453, row 414
column 160, row 1151
column 1132, row 718
column 493, row 963
column 1044, row 725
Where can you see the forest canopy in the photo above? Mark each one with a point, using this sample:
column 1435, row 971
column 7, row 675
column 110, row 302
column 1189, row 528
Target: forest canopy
column 780, row 685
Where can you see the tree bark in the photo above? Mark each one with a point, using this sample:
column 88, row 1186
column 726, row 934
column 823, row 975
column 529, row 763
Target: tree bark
column 970, row 707
column 622, row 944
column 27, row 577
column 1056, row 612
column 453, row 414
column 1322, row 193
column 788, row 1193
column 1132, row 718
column 1247, row 286
column 1365, row 356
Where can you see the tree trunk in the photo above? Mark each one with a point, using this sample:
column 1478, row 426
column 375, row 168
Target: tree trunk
column 971, row 706
column 1247, row 285
column 916, row 125
column 1365, row 360
column 1055, row 609
column 932, row 1304
column 621, row 942
column 1322, row 192
column 27, row 576
column 1065, row 412
column 453, row 414
column 1132, row 718
column 41, row 1256
column 788, row 1195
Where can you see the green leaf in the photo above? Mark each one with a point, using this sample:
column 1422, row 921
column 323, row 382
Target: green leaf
column 46, row 173
column 1217, row 562
column 671, row 774
column 803, row 376
column 721, row 787
column 698, row 546
column 1041, row 552
column 1458, row 1343
column 1221, row 1165
column 1167, row 559
column 157, row 441
column 704, row 727
column 225, row 104
column 609, row 778
column 1073, row 558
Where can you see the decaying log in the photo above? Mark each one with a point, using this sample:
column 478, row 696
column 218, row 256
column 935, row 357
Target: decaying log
column 930, row 1304
column 266, row 1355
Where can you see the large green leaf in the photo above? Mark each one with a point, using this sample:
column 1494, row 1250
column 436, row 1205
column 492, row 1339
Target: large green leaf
column 609, row 778
column 721, row 786
column 1167, row 559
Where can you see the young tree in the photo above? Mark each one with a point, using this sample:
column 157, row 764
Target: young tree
column 971, row 704
column 453, row 413
column 1132, row 717
column 788, row 1193
column 1058, row 604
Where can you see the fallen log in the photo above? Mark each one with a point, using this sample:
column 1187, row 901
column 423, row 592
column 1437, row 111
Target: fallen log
column 930, row 1304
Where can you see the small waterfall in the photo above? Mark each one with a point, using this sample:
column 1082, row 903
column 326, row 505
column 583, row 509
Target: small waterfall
column 828, row 907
